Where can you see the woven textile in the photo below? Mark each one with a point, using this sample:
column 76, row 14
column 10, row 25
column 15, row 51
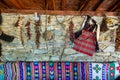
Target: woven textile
column 1, row 71
column 114, row 70
column 9, row 71
column 98, row 71
column 59, row 71
column 86, row 43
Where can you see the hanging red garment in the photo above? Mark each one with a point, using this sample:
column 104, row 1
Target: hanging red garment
column 86, row 43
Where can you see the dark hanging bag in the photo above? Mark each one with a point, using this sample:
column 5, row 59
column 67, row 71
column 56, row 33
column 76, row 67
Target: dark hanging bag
column 103, row 26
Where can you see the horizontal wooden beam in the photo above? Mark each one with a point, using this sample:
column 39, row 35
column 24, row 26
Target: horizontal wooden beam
column 55, row 12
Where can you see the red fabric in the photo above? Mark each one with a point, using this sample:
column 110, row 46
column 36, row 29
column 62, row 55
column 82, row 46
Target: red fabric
column 86, row 43
column 72, row 36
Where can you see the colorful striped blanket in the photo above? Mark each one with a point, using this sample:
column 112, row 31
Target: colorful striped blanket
column 59, row 71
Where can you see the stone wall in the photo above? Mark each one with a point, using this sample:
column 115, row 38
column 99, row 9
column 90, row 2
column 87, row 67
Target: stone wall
column 51, row 50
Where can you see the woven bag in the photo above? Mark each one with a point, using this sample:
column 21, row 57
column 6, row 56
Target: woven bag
column 86, row 42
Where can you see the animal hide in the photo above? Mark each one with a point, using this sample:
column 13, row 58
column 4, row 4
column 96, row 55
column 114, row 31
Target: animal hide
column 118, row 40
column 103, row 26
column 47, row 35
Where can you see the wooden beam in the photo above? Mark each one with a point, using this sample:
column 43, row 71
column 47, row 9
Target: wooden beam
column 38, row 4
column 70, row 5
column 12, row 4
column 116, row 7
column 63, row 4
column 55, row 12
column 32, row 4
column 50, row 4
column 58, row 4
column 91, row 5
column 106, row 5
column 2, row 5
column 82, row 4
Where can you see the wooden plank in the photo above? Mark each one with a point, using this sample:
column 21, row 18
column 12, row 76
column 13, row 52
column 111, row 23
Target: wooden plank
column 20, row 4
column 91, row 5
column 50, row 4
column 58, row 4
column 55, row 12
column 63, row 4
column 116, row 7
column 106, row 5
column 39, row 4
column 82, row 4
column 54, row 4
column 2, row 5
column 71, row 5
column 12, row 4
column 32, row 4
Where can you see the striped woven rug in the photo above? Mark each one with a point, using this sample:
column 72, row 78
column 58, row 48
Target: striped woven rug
column 59, row 71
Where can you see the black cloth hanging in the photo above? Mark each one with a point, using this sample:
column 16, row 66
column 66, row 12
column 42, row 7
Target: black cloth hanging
column 6, row 37
column 78, row 33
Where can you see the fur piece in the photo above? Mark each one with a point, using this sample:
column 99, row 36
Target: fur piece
column 103, row 26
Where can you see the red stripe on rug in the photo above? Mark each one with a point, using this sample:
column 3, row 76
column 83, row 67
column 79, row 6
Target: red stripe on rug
column 24, row 70
column 71, row 71
column 86, row 68
column 32, row 67
column 63, row 71
column 55, row 71
column 78, row 64
column 40, row 70
column 47, row 71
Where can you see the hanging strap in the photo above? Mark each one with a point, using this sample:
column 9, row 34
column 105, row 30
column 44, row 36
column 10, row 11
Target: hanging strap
column 98, row 32
column 84, row 23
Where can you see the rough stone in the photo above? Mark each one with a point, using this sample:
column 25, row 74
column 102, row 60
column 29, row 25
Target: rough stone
column 14, row 51
column 54, row 58
column 102, row 54
column 69, row 51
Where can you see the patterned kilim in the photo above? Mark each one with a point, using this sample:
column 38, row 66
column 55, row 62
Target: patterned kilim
column 59, row 71
column 1, row 71
column 98, row 71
